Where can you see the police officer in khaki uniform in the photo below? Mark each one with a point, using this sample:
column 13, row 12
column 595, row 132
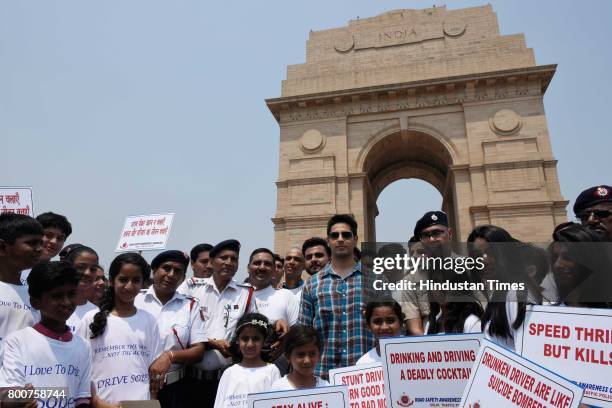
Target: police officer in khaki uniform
column 433, row 231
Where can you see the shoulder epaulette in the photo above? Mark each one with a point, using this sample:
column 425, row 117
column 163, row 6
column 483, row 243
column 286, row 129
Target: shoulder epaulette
column 193, row 281
column 244, row 285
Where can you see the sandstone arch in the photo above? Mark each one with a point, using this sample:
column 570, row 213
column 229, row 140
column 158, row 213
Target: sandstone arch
column 434, row 94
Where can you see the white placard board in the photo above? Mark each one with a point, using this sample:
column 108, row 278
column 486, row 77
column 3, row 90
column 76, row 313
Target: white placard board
column 501, row 377
column 428, row 371
column 145, row 232
column 322, row 397
column 16, row 200
column 366, row 384
column 573, row 342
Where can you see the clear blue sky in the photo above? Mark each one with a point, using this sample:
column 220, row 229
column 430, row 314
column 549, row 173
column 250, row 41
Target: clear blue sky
column 111, row 108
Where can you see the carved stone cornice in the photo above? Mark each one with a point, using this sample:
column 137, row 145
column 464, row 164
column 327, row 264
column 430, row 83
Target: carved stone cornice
column 464, row 89
column 512, row 209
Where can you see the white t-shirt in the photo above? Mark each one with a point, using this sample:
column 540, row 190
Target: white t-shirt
column 369, row 357
column 238, row 381
column 283, row 384
column 550, row 293
column 31, row 357
column 75, row 319
column 16, row 312
column 277, row 304
column 511, row 305
column 122, row 355
column 24, row 276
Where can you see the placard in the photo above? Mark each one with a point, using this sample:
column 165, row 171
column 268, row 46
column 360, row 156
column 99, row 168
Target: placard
column 501, row 377
column 428, row 371
column 145, row 232
column 366, row 385
column 16, row 200
column 573, row 342
column 322, row 397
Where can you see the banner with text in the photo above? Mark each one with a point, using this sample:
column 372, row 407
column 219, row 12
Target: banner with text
column 428, row 371
column 573, row 342
column 145, row 232
column 16, row 200
column 366, row 385
column 323, row 397
column 501, row 377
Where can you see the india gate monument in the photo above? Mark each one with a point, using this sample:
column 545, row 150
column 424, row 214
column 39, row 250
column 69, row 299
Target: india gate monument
column 434, row 94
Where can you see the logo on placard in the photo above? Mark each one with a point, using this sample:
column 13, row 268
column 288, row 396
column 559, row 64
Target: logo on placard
column 475, row 405
column 601, row 191
column 124, row 245
column 405, row 401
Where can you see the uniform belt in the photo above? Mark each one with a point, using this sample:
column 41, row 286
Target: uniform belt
column 174, row 376
column 205, row 374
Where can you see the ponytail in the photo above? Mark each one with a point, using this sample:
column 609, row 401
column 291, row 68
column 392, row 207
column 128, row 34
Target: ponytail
column 107, row 303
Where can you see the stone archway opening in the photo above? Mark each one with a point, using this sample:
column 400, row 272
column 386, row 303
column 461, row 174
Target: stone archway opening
column 407, row 154
column 399, row 210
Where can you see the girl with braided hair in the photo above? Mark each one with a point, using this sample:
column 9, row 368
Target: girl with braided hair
column 124, row 340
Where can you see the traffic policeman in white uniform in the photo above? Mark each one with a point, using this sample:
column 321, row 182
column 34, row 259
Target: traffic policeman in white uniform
column 180, row 326
column 200, row 265
column 223, row 301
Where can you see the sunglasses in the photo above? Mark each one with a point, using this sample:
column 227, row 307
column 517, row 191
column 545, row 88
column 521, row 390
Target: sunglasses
column 599, row 214
column 345, row 235
column 432, row 234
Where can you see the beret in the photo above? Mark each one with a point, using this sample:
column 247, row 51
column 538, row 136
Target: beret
column 232, row 244
column 430, row 218
column 171, row 255
column 592, row 196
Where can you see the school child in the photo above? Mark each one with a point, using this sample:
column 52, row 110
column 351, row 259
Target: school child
column 505, row 313
column 581, row 265
column 48, row 355
column 85, row 261
column 124, row 340
column 56, row 228
column 456, row 313
column 20, row 248
column 251, row 374
column 302, row 349
column 384, row 319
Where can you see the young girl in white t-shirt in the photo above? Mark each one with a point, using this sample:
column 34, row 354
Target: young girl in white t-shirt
column 384, row 319
column 251, row 374
column 48, row 354
column 85, row 260
column 124, row 340
column 303, row 351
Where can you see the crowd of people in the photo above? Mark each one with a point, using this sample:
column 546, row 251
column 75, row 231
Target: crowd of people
column 147, row 331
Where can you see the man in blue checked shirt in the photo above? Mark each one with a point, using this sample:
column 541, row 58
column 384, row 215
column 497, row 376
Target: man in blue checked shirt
column 334, row 299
